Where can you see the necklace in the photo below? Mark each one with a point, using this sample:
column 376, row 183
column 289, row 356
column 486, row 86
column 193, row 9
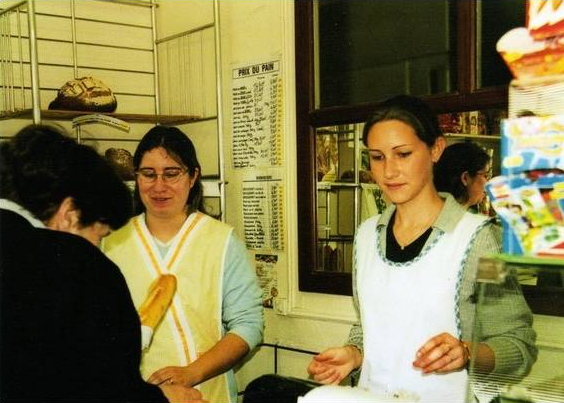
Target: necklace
column 411, row 240
column 414, row 234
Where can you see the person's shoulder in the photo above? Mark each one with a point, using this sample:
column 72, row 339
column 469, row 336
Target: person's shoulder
column 368, row 226
column 73, row 251
column 478, row 218
column 10, row 221
column 17, row 235
column 62, row 239
column 491, row 228
column 450, row 215
column 120, row 235
column 212, row 222
column 370, row 221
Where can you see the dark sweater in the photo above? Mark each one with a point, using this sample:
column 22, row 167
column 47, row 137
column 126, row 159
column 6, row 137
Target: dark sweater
column 68, row 329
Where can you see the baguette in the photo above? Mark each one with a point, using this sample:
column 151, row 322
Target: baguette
column 152, row 310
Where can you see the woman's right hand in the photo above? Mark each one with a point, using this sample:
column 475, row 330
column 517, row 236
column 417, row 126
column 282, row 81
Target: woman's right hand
column 176, row 393
column 333, row 365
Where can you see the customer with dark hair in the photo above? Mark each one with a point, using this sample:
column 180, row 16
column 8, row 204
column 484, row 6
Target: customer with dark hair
column 413, row 278
column 463, row 170
column 68, row 331
column 52, row 170
column 215, row 318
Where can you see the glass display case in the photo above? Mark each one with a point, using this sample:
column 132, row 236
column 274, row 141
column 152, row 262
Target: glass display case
column 541, row 281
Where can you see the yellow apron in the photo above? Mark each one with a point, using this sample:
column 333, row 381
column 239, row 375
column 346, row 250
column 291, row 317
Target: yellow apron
column 192, row 324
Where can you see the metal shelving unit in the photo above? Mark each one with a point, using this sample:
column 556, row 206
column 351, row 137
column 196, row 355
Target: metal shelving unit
column 22, row 87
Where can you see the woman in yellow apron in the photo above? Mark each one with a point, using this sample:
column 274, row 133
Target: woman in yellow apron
column 215, row 316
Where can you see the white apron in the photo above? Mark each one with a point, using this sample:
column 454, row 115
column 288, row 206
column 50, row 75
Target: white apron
column 402, row 305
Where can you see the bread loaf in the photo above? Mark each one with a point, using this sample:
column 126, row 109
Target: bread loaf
column 85, row 94
column 122, row 161
column 152, row 310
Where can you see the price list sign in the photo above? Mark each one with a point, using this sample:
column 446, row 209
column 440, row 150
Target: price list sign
column 263, row 214
column 257, row 115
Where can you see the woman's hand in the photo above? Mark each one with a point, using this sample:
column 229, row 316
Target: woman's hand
column 333, row 365
column 220, row 358
column 182, row 394
column 171, row 376
column 442, row 353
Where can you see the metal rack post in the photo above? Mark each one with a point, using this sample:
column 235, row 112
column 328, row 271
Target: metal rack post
column 219, row 86
column 36, row 102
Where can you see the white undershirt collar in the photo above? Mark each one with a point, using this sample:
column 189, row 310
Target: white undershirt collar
column 19, row 210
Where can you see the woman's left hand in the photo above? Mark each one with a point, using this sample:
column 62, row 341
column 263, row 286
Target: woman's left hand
column 171, row 376
column 442, row 353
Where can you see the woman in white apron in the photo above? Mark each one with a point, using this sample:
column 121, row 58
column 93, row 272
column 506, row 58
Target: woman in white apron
column 414, row 276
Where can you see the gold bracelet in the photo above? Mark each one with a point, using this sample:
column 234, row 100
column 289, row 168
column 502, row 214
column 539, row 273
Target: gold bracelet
column 468, row 352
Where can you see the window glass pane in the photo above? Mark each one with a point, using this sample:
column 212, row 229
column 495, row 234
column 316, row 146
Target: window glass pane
column 346, row 194
column 495, row 18
column 370, row 50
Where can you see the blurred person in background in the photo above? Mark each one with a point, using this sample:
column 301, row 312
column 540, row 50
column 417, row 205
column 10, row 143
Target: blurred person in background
column 463, row 170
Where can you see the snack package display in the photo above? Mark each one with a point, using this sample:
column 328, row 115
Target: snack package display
column 537, row 49
column 528, row 57
column 532, row 226
column 532, row 143
column 529, row 195
column 545, row 19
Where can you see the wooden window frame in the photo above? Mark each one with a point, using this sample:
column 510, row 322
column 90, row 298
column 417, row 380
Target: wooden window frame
column 466, row 97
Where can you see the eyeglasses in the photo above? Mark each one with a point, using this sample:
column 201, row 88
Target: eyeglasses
column 485, row 174
column 169, row 175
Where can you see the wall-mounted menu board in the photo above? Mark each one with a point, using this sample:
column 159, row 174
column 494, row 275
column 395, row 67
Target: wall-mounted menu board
column 257, row 115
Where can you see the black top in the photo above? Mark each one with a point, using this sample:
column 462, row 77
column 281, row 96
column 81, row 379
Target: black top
column 69, row 331
column 395, row 253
